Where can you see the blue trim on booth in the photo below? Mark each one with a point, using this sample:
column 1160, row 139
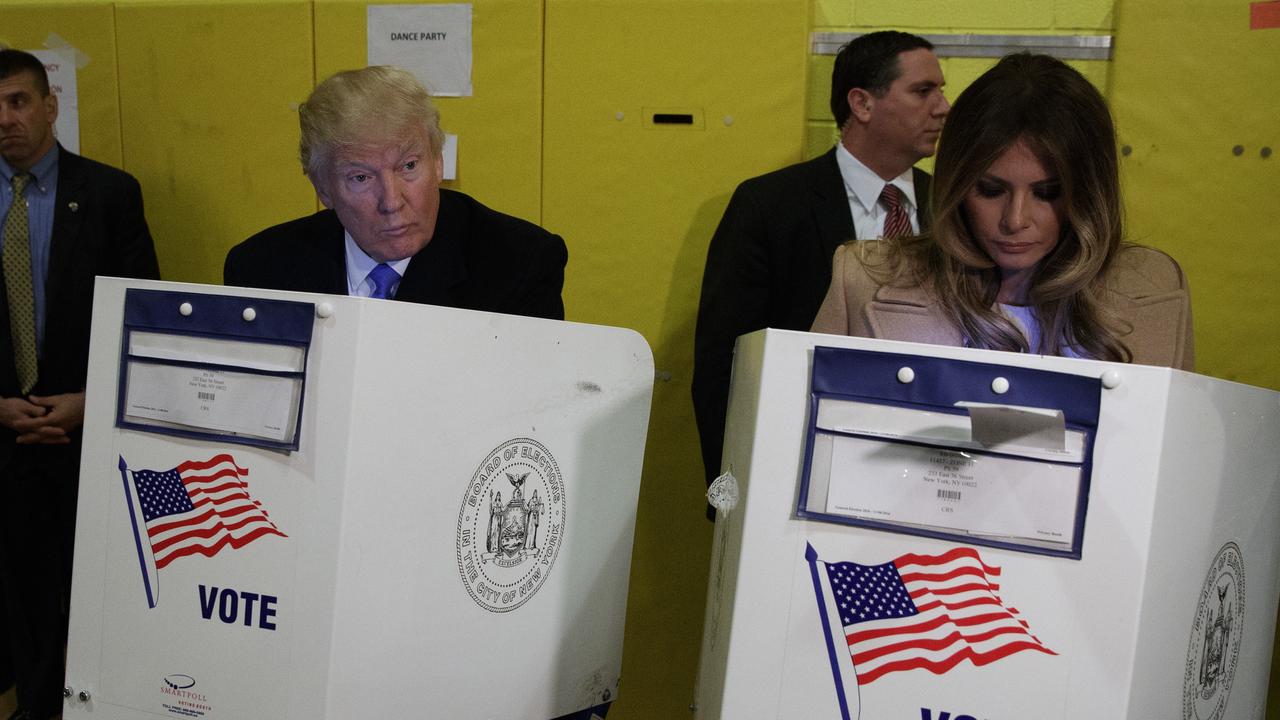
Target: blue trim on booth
column 939, row 383
column 278, row 321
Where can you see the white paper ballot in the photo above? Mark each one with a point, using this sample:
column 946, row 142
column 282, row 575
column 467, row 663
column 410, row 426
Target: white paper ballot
column 953, row 490
column 261, row 406
column 210, row 350
column 1015, row 427
column 1030, row 432
column 431, row 41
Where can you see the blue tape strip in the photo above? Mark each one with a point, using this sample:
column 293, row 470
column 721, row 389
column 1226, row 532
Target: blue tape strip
column 277, row 321
column 940, row 383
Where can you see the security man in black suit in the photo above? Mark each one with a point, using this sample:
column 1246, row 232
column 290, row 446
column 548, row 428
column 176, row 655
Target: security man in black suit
column 65, row 219
column 769, row 263
column 372, row 147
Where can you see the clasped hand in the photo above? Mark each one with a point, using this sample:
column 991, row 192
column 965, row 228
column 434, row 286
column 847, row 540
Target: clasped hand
column 43, row 420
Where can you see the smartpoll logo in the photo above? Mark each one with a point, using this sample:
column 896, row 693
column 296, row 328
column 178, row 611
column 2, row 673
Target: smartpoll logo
column 196, row 508
column 180, row 699
column 179, row 682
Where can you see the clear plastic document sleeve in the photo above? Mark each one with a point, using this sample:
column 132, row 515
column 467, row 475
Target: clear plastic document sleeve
column 214, row 366
column 933, row 447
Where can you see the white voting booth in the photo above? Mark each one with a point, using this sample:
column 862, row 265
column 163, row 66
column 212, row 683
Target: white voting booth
column 296, row 507
column 934, row 533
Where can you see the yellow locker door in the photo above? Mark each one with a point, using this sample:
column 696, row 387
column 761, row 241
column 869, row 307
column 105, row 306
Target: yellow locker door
column 499, row 127
column 1198, row 109
column 655, row 110
column 87, row 32
column 208, row 105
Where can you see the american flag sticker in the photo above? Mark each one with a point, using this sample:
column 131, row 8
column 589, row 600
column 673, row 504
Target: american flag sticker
column 917, row 612
column 196, row 508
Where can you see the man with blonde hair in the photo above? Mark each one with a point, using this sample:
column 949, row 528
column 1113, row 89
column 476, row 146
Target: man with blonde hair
column 371, row 146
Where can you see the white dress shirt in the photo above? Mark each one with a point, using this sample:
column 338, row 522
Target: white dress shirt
column 863, row 188
column 359, row 265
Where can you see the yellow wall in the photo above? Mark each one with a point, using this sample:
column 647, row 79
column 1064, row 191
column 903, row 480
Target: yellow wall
column 1187, row 190
column 90, row 29
column 499, row 127
column 637, row 204
column 198, row 100
column 998, row 17
column 208, row 98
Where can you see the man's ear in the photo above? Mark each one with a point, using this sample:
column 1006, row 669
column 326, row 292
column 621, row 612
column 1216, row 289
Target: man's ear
column 861, row 104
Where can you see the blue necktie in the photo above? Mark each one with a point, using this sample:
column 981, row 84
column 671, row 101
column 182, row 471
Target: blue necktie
column 384, row 277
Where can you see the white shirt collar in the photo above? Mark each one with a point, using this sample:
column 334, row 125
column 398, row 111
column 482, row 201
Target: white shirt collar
column 359, row 265
column 862, row 185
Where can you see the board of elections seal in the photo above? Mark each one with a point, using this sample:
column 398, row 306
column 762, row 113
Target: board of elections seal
column 1215, row 638
column 511, row 525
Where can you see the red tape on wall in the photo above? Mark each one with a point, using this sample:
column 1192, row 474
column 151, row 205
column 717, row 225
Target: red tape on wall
column 1263, row 15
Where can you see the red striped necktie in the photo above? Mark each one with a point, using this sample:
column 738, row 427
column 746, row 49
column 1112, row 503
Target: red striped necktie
column 896, row 222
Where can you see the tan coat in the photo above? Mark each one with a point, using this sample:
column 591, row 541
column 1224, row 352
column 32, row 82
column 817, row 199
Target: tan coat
column 1148, row 289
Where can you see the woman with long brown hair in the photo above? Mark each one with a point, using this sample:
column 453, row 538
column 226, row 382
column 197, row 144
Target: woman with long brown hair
column 1026, row 250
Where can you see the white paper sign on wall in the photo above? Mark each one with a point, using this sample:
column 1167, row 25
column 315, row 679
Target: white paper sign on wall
column 431, row 41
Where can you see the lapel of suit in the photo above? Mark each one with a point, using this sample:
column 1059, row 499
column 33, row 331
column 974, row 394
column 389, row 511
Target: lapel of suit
column 331, row 262
column 65, row 236
column 831, row 203
column 909, row 313
column 436, row 273
column 1157, row 321
column 922, row 180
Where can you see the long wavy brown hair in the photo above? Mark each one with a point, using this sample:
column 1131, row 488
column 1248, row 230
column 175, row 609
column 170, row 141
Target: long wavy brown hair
column 1064, row 120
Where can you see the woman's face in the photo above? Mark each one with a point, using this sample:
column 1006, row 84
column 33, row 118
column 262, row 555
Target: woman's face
column 1015, row 212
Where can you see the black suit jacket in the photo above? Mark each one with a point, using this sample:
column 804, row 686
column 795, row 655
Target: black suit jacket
column 478, row 259
column 98, row 229
column 768, row 266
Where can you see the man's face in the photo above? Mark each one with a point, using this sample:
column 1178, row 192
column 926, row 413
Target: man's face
column 26, row 120
column 907, row 119
column 386, row 195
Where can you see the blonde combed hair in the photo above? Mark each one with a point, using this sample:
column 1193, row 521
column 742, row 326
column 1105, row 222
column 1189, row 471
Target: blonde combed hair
column 374, row 105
